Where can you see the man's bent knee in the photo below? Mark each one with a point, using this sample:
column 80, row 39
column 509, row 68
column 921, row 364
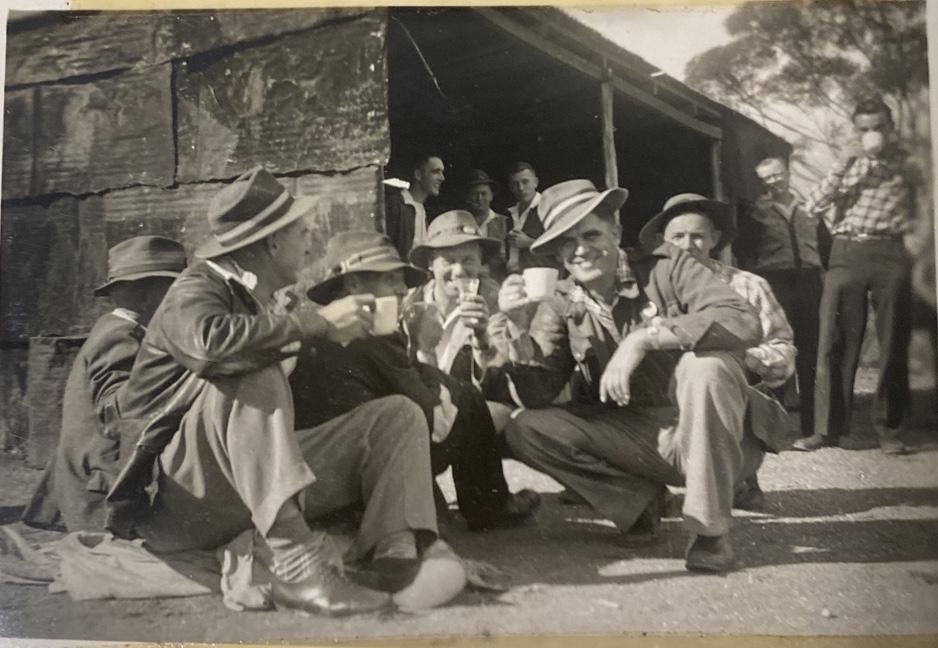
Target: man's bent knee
column 708, row 370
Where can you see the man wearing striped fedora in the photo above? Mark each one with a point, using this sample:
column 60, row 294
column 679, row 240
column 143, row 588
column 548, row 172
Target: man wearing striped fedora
column 216, row 416
column 85, row 463
column 652, row 345
column 462, row 431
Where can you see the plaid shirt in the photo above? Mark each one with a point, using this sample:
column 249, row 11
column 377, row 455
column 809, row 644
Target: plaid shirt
column 872, row 197
column 774, row 359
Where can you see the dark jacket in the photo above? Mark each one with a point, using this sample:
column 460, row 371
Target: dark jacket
column 399, row 220
column 770, row 240
column 85, row 463
column 330, row 380
column 207, row 326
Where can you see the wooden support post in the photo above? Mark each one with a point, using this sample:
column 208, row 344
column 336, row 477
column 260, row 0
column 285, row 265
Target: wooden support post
column 608, row 124
column 719, row 193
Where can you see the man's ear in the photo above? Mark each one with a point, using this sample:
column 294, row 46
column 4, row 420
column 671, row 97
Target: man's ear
column 717, row 237
column 659, row 237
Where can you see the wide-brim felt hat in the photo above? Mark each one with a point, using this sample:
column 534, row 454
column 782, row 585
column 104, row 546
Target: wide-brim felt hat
column 565, row 204
column 249, row 209
column 717, row 211
column 142, row 257
column 360, row 251
column 450, row 229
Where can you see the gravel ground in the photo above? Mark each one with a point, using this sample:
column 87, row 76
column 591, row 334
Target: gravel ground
column 847, row 544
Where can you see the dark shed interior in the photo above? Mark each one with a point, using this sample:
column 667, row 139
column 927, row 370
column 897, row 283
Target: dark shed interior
column 461, row 86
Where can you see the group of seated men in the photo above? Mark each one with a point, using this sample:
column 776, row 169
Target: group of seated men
column 213, row 401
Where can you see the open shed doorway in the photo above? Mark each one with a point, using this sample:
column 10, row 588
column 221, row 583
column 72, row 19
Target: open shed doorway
column 478, row 96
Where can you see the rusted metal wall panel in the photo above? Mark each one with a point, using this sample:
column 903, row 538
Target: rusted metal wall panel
column 314, row 101
column 348, row 201
column 78, row 44
column 14, row 415
column 106, row 134
column 92, row 43
column 18, row 142
column 50, row 360
column 38, row 270
column 178, row 213
column 185, row 33
column 51, row 258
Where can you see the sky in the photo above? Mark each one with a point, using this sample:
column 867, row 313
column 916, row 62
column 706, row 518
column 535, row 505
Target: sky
column 666, row 37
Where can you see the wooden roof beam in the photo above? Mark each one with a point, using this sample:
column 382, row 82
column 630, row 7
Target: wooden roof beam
column 594, row 70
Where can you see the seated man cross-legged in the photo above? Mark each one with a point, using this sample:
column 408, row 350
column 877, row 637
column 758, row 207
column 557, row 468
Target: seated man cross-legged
column 213, row 411
column 331, row 380
column 654, row 344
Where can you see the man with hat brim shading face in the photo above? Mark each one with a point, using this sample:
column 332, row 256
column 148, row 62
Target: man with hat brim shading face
column 652, row 345
column 479, row 194
column 462, row 431
column 85, row 463
column 215, row 412
column 702, row 227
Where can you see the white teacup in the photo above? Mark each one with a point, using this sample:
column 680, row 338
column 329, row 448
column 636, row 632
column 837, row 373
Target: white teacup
column 540, row 283
column 385, row 315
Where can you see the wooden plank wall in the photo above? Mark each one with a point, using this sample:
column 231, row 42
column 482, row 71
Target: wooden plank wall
column 122, row 124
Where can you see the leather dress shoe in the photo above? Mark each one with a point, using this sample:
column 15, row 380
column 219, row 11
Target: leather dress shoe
column 329, row 592
column 517, row 508
column 386, row 574
column 811, row 443
column 709, row 554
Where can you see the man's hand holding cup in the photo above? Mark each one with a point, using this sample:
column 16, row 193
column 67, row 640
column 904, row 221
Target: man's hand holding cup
column 349, row 318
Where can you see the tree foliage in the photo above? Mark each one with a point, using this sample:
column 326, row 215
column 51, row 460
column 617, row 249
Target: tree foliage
column 798, row 68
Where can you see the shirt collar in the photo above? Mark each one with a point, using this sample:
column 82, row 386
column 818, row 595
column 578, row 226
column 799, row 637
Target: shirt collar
column 234, row 272
column 129, row 315
column 534, row 203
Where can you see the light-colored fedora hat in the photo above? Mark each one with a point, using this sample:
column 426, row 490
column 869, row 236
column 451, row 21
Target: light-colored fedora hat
column 360, row 251
column 251, row 208
column 142, row 257
column 717, row 211
column 450, row 229
column 565, row 204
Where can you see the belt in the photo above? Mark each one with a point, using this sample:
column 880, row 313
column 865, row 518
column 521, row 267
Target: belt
column 862, row 237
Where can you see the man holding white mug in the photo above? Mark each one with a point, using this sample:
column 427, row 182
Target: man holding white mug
column 652, row 346
column 873, row 209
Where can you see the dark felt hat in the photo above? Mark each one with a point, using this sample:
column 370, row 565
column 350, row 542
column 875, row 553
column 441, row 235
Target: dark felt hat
column 142, row 257
column 251, row 208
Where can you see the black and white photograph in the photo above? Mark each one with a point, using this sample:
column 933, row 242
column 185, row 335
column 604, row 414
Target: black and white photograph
column 336, row 324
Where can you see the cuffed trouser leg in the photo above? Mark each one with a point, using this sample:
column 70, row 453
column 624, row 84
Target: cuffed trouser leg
column 710, row 391
column 377, row 454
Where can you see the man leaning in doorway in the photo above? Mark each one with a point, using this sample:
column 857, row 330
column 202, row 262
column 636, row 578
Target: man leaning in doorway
column 872, row 200
column 779, row 241
column 405, row 221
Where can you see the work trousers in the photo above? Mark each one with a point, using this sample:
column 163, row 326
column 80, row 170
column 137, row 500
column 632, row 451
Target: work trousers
column 237, row 460
column 619, row 458
column 799, row 294
column 472, row 451
column 879, row 269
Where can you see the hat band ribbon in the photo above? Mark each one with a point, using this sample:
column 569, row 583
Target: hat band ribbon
column 166, row 265
column 456, row 229
column 383, row 253
column 557, row 210
column 265, row 217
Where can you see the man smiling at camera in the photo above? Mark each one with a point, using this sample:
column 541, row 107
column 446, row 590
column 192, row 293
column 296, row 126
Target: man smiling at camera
column 654, row 345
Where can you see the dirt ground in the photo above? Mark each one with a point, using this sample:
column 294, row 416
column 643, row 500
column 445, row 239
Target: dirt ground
column 847, row 544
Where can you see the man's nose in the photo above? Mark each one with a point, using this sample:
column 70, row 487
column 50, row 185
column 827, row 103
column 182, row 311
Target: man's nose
column 684, row 243
column 457, row 270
